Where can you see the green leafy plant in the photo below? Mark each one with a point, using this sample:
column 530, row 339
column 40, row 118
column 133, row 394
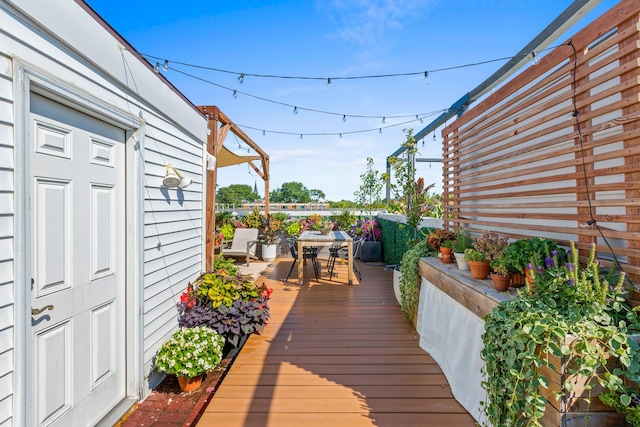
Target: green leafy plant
column 344, row 220
column 436, row 237
column 227, row 230
column 569, row 312
column 500, row 266
column 534, row 251
column 253, row 219
column 447, row 244
column 232, row 305
column 474, row 255
column 409, row 284
column 190, row 352
column 270, row 228
column 463, row 241
column 293, row 229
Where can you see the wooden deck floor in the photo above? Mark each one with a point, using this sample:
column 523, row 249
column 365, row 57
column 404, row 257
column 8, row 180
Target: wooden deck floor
column 334, row 355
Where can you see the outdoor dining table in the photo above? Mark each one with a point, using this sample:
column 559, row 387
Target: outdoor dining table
column 316, row 238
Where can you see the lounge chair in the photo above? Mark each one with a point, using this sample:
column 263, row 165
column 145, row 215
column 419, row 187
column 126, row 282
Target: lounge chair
column 244, row 244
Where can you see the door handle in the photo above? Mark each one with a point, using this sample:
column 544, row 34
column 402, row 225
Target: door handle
column 36, row 311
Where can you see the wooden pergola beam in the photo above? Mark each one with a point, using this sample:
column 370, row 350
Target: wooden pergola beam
column 219, row 126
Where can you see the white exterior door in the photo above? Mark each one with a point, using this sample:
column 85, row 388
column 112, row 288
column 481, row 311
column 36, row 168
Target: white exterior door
column 77, row 206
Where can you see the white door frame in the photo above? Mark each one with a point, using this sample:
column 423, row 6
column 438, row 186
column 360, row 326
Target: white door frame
column 27, row 79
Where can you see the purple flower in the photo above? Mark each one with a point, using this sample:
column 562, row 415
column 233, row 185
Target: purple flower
column 548, row 262
column 554, row 253
column 570, row 267
column 540, row 269
column 530, row 266
column 570, row 280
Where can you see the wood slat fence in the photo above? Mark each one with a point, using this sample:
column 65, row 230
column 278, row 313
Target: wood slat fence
column 555, row 152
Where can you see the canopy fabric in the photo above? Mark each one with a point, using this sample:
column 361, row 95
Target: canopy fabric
column 227, row 158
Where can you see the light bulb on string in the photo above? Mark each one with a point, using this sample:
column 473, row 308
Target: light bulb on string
column 384, row 120
column 535, row 59
column 157, row 67
column 380, row 130
column 241, row 78
column 344, row 117
column 300, row 136
column 434, row 135
column 423, row 142
column 295, row 110
column 235, row 94
column 426, row 77
column 329, row 83
column 264, row 132
column 340, row 136
column 165, row 66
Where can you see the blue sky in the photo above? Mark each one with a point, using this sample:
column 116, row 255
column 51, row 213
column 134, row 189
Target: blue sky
column 330, row 38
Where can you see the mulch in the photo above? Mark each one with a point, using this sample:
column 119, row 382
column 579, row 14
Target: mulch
column 167, row 406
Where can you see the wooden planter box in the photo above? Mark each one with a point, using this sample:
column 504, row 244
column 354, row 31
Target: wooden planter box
column 572, row 409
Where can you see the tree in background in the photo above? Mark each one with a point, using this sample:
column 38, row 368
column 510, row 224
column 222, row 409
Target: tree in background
column 291, row 192
column 236, row 194
column 317, row 195
column 368, row 195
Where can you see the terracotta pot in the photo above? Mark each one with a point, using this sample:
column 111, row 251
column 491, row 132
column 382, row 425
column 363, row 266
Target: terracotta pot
column 447, row 255
column 500, row 282
column 190, row 384
column 479, row 269
column 517, row 280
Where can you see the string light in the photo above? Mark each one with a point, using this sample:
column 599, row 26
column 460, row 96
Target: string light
column 329, row 83
column 426, row 77
column 235, row 94
column 373, row 76
column 300, row 136
column 340, row 136
column 157, row 67
column 278, row 132
column 535, row 59
column 384, row 120
column 359, row 116
column 434, row 136
column 344, row 118
column 264, row 132
column 241, row 78
column 295, row 110
column 165, row 66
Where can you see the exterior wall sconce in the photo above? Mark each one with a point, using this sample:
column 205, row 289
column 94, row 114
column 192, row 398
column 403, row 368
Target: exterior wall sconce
column 175, row 178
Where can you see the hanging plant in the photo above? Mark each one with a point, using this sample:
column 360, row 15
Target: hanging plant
column 409, row 283
column 566, row 300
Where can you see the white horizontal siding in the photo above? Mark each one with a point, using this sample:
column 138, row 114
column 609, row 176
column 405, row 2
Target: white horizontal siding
column 7, row 203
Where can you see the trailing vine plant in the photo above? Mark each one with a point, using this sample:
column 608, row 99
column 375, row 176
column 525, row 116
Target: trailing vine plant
column 570, row 312
column 409, row 283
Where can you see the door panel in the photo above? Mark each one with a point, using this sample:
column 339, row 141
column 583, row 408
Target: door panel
column 78, row 230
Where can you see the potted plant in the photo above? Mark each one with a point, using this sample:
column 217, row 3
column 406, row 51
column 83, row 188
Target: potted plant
column 189, row 353
column 500, row 275
column 532, row 254
column 269, row 238
column 491, row 244
column 478, row 263
column 446, row 251
column 461, row 243
column 231, row 304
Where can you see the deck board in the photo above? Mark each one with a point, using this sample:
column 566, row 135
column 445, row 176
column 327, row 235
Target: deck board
column 334, row 354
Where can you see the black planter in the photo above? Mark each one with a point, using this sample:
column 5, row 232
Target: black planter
column 371, row 251
column 230, row 351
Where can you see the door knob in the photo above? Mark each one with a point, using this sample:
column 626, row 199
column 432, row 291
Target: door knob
column 36, row 311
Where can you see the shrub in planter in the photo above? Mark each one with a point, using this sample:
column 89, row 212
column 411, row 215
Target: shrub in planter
column 232, row 305
column 409, row 281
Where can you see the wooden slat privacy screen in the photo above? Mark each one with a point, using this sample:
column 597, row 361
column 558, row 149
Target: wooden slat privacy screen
column 516, row 163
